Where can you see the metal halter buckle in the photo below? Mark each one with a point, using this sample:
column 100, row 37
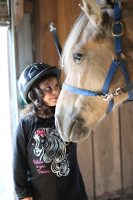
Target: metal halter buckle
column 111, row 96
column 119, row 56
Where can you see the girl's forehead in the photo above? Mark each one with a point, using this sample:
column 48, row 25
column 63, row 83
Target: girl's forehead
column 49, row 81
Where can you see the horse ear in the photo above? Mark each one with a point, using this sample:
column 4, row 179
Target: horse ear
column 92, row 11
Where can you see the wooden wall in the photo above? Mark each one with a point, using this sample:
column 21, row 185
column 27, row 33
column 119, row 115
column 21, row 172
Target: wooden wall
column 62, row 13
column 106, row 157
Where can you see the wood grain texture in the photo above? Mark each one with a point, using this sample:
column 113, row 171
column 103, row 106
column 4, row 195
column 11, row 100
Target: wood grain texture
column 126, row 123
column 45, row 12
column 107, row 156
column 85, row 159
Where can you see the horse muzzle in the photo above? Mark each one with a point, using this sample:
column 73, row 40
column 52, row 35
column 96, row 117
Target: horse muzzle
column 71, row 129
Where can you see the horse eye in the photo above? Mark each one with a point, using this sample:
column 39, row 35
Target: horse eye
column 77, row 57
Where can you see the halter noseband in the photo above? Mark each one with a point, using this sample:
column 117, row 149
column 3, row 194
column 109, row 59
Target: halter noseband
column 117, row 32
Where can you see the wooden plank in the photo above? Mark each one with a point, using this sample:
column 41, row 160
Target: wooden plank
column 85, row 159
column 68, row 11
column 24, row 43
column 126, row 117
column 18, row 11
column 107, row 157
column 4, row 15
column 3, row 10
column 45, row 12
column 28, row 7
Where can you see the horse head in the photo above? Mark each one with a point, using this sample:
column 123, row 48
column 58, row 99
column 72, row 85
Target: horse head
column 86, row 59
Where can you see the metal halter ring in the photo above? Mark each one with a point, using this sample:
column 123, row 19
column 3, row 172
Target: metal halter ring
column 114, row 26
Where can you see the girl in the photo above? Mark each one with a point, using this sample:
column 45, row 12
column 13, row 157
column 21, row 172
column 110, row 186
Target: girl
column 44, row 167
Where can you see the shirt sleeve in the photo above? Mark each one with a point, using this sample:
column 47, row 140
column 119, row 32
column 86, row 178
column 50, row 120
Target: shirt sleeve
column 20, row 164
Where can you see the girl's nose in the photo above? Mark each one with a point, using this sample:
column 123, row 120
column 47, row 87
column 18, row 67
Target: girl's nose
column 56, row 90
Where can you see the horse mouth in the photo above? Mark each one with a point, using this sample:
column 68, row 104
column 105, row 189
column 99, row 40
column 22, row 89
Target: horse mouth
column 74, row 131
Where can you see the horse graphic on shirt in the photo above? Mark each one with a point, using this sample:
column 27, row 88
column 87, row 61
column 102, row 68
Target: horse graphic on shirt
column 50, row 148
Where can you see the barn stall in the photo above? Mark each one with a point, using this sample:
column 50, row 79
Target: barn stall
column 106, row 157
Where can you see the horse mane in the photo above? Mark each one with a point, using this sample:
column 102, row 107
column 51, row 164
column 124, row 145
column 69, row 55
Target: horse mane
column 72, row 39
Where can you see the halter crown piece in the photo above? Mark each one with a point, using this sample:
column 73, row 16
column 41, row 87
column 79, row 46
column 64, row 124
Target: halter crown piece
column 118, row 61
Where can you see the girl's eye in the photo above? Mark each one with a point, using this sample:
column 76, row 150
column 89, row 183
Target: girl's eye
column 48, row 89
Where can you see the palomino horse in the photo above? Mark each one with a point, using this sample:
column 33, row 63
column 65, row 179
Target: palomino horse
column 98, row 61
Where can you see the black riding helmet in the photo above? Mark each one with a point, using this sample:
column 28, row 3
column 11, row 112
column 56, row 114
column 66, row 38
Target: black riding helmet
column 33, row 73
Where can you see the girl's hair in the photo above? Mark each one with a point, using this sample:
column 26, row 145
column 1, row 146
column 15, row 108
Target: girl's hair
column 37, row 106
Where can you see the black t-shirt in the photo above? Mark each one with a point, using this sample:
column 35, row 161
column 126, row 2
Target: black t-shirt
column 45, row 167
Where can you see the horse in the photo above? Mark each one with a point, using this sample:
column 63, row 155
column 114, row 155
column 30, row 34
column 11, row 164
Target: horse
column 97, row 59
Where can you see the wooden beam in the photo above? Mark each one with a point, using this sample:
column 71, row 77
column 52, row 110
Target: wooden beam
column 3, row 10
column 18, row 11
column 4, row 15
column 28, row 7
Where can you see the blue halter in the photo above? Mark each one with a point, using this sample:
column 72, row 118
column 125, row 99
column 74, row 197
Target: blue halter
column 117, row 32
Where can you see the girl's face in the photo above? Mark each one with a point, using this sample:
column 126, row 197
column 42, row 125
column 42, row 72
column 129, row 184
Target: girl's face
column 51, row 89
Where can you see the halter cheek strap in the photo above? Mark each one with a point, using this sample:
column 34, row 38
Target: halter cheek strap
column 117, row 32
